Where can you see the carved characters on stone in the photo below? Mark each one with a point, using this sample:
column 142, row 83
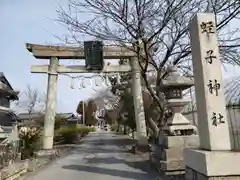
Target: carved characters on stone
column 207, row 27
column 210, row 56
column 214, row 87
column 217, row 118
column 211, row 106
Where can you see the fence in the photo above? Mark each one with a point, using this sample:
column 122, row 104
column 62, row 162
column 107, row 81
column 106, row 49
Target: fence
column 9, row 153
column 234, row 124
column 233, row 113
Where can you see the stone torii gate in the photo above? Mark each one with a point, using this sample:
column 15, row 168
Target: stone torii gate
column 54, row 53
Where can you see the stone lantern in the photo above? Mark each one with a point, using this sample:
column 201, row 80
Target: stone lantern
column 178, row 133
column 173, row 86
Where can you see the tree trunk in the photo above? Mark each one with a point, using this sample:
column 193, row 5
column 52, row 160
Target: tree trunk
column 124, row 129
column 153, row 126
column 118, row 127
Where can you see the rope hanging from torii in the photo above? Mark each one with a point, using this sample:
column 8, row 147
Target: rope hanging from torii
column 104, row 79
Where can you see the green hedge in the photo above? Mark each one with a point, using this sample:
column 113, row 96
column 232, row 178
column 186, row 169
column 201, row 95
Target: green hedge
column 70, row 134
column 59, row 121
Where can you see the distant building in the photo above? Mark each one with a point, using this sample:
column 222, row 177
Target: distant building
column 70, row 118
column 38, row 117
column 34, row 117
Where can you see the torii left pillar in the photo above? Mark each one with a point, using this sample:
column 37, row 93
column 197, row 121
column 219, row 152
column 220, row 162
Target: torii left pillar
column 49, row 119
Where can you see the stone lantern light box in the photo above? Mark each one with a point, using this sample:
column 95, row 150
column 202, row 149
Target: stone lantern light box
column 173, row 86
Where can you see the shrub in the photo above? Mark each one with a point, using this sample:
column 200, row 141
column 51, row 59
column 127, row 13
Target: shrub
column 70, row 134
column 114, row 127
column 59, row 121
column 30, row 136
column 92, row 129
column 67, row 134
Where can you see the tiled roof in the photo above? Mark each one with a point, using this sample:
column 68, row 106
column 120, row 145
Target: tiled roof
column 2, row 76
column 66, row 115
column 7, row 87
column 26, row 115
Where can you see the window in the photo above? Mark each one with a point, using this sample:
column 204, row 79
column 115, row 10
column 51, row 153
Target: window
column 4, row 102
column 174, row 93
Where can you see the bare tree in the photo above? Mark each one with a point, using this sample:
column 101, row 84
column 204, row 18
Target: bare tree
column 157, row 30
column 31, row 100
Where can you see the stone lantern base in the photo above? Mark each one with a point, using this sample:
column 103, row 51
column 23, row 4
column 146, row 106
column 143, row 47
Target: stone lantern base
column 168, row 157
column 178, row 134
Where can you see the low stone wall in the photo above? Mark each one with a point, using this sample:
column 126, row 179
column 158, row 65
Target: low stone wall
column 14, row 171
column 18, row 170
column 22, row 169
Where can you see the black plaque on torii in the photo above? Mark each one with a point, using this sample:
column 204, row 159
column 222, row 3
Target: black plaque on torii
column 93, row 51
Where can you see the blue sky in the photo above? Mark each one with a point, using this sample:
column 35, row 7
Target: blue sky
column 29, row 21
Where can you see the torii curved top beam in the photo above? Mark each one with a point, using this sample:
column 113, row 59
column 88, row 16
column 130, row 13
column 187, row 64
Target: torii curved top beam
column 68, row 52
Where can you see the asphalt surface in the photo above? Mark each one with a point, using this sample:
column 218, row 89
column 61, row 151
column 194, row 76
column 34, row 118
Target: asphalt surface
column 102, row 156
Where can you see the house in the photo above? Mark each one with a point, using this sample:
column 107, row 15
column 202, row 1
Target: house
column 38, row 118
column 34, row 117
column 7, row 94
column 7, row 116
column 70, row 118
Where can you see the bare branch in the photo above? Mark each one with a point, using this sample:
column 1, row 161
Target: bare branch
column 31, row 100
column 157, row 30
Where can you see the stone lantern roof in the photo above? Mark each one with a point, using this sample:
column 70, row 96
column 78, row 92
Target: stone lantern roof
column 176, row 80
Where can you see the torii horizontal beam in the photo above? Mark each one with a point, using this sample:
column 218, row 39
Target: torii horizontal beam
column 80, row 69
column 66, row 52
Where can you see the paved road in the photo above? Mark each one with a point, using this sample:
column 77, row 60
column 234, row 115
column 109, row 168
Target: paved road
column 102, row 156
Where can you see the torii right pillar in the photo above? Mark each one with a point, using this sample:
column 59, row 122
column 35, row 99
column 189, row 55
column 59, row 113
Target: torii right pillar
column 214, row 159
column 141, row 128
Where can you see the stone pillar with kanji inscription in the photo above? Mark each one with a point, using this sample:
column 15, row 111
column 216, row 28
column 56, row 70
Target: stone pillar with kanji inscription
column 209, row 86
column 214, row 157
